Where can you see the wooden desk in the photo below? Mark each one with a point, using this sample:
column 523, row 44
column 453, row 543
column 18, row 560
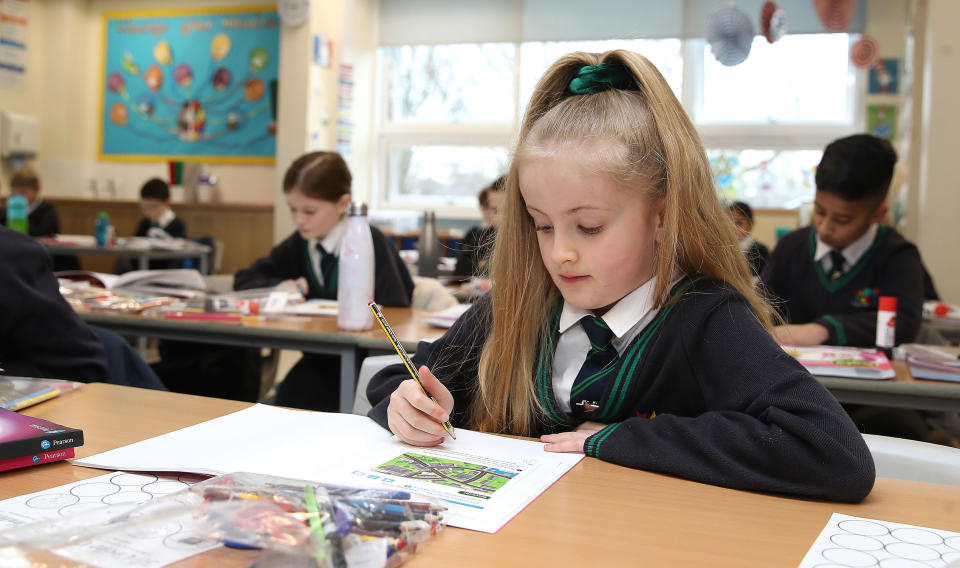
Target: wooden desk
column 598, row 514
column 903, row 391
column 310, row 334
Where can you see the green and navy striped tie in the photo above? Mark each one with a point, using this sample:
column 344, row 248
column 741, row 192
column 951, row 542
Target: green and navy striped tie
column 599, row 365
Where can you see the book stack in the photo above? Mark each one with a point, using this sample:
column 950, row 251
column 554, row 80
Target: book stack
column 852, row 362
column 933, row 363
column 26, row 441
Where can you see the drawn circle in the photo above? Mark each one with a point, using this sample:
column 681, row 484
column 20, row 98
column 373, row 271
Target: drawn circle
column 164, row 487
column 953, row 542
column 916, row 536
column 851, row 558
column 96, row 489
column 80, row 508
column 865, row 528
column 54, row 501
column 856, row 542
column 912, row 551
column 132, row 479
column 902, row 563
column 127, row 497
column 949, row 557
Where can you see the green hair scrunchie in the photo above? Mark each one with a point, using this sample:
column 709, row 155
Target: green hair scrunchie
column 595, row 78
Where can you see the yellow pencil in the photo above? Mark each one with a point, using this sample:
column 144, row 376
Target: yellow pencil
column 406, row 359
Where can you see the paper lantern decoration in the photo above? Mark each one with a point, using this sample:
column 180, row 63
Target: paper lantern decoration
column 835, row 15
column 864, row 51
column 730, row 34
column 773, row 22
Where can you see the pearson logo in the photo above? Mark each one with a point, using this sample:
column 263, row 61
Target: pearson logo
column 45, row 444
column 36, row 459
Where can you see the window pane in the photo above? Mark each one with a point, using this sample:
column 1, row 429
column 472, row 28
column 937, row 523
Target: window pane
column 799, row 79
column 443, row 175
column 537, row 57
column 765, row 178
column 450, row 83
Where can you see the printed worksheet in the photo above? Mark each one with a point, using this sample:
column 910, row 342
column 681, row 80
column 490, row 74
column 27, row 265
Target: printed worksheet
column 483, row 479
column 856, row 541
column 76, row 507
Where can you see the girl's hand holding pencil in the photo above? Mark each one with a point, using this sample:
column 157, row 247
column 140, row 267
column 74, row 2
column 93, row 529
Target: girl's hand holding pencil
column 413, row 416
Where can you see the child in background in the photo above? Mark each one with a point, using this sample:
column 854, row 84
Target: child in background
column 756, row 253
column 827, row 277
column 317, row 190
column 477, row 245
column 159, row 220
column 624, row 323
column 42, row 218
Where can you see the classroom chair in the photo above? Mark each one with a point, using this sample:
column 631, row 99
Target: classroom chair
column 370, row 366
column 914, row 461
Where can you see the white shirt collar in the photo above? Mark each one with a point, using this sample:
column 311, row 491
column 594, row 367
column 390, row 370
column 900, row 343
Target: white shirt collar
column 331, row 242
column 853, row 251
column 622, row 317
column 166, row 217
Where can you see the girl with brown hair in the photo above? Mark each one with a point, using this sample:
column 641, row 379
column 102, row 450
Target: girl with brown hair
column 623, row 322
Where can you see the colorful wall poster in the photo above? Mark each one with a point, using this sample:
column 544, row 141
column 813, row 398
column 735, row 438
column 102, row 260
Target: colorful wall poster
column 882, row 120
column 885, row 77
column 13, row 44
column 190, row 85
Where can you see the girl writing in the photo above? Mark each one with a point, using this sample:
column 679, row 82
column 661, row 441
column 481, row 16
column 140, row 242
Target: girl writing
column 623, row 323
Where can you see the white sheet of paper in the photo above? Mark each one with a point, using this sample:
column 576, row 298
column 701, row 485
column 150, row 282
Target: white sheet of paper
column 141, row 547
column 857, row 541
column 485, row 480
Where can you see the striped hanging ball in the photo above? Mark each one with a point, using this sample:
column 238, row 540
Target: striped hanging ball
column 773, row 22
column 835, row 15
column 864, row 52
column 730, row 35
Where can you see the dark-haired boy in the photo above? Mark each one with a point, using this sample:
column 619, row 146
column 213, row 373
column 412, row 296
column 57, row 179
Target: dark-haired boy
column 827, row 277
column 755, row 252
column 159, row 220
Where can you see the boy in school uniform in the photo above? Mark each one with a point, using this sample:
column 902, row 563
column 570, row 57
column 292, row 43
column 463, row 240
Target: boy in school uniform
column 159, row 219
column 42, row 218
column 478, row 243
column 828, row 277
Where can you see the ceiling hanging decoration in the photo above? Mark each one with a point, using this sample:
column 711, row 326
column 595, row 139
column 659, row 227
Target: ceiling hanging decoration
column 835, row 15
column 730, row 35
column 773, row 22
column 864, row 52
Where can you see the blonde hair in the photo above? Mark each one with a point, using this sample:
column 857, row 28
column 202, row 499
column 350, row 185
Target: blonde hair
column 641, row 137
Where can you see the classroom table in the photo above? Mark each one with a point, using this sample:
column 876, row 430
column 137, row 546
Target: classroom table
column 309, row 334
column 903, row 391
column 142, row 255
column 598, row 514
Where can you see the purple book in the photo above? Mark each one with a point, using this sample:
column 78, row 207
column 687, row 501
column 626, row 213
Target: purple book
column 21, row 435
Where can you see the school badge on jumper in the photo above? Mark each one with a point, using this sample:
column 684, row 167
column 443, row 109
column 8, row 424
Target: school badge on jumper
column 865, row 297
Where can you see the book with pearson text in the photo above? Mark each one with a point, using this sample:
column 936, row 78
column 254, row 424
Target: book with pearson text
column 22, row 435
column 854, row 362
column 36, row 459
column 21, row 392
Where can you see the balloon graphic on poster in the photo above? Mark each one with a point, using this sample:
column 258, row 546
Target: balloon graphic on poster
column 258, row 59
column 115, row 83
column 146, row 104
column 253, row 90
column 119, row 114
column 162, row 52
column 129, row 65
column 221, row 78
column 183, row 75
column 153, row 77
column 220, row 46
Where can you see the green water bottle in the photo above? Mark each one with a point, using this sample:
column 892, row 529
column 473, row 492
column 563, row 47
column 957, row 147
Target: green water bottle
column 17, row 207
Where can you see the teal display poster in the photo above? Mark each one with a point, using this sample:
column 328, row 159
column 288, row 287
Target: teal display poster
column 190, row 85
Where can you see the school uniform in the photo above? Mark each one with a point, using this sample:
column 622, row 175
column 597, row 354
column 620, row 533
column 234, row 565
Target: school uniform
column 700, row 391
column 755, row 253
column 168, row 222
column 40, row 335
column 801, row 278
column 314, row 382
column 474, row 253
column 42, row 220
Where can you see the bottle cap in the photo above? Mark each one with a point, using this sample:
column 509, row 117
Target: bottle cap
column 887, row 304
column 355, row 208
column 102, row 215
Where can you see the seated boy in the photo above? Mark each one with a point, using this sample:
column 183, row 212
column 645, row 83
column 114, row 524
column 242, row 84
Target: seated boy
column 477, row 245
column 826, row 278
column 159, row 220
column 42, row 220
column 755, row 252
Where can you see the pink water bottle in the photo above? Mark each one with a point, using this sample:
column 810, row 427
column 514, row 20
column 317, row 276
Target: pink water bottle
column 355, row 272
